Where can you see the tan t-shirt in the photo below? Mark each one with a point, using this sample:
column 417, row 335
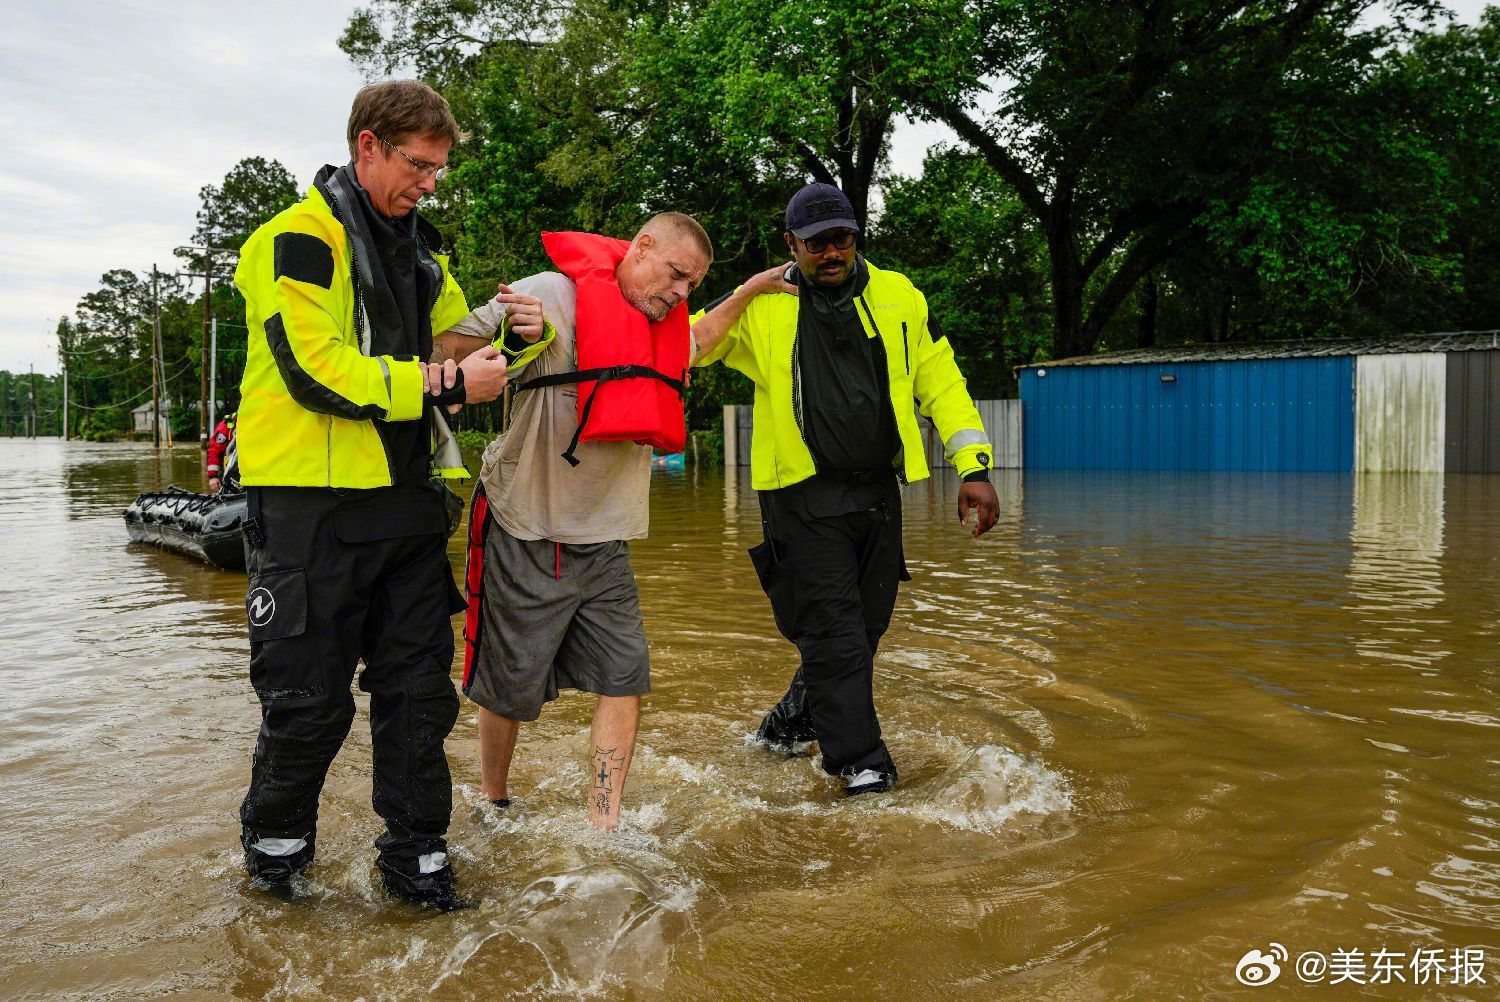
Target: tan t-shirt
column 533, row 491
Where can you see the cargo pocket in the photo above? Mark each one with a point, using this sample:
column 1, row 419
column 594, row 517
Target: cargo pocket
column 774, row 582
column 456, row 601
column 763, row 557
column 276, row 605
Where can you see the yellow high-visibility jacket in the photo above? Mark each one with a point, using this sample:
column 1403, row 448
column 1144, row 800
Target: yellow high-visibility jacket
column 919, row 362
column 310, row 397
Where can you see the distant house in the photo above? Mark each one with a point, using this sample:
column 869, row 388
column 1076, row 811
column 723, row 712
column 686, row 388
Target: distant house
column 1427, row 403
column 140, row 418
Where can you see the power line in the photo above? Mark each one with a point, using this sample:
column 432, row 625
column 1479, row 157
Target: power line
column 95, row 351
column 127, row 400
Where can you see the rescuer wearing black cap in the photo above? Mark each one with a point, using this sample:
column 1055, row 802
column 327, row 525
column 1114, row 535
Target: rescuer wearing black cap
column 838, row 350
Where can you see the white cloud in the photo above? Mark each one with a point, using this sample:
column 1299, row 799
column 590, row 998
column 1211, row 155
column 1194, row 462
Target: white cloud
column 115, row 115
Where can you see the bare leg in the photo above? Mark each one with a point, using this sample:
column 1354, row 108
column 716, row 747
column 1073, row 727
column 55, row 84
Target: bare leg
column 497, row 741
column 611, row 744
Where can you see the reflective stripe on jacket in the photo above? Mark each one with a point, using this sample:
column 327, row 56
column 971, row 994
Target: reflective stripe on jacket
column 919, row 362
column 310, row 396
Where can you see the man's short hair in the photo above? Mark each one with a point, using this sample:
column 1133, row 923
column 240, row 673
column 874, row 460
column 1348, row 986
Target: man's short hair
column 680, row 224
column 398, row 110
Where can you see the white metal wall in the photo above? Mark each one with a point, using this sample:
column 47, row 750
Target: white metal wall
column 1002, row 422
column 1400, row 402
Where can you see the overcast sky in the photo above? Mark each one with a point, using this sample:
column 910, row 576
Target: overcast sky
column 115, row 114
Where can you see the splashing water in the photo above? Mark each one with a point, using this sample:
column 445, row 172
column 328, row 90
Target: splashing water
column 606, row 923
column 990, row 787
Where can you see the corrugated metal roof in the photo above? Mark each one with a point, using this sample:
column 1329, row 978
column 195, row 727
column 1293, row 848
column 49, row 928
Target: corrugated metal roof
column 1323, row 348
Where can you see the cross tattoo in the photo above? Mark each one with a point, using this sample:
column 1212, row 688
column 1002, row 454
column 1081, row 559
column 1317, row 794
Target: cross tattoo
column 607, row 761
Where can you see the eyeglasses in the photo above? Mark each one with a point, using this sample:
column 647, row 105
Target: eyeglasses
column 437, row 172
column 817, row 245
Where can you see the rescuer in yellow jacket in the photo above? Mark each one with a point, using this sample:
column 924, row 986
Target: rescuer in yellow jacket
column 840, row 352
column 347, row 302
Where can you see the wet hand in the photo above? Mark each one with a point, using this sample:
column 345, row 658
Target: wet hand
column 484, row 375
column 440, row 376
column 213, row 485
column 982, row 496
column 523, row 312
column 771, row 280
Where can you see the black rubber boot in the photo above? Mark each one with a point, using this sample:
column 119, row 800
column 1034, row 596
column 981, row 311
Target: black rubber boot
column 874, row 780
column 274, row 872
column 437, row 890
column 788, row 728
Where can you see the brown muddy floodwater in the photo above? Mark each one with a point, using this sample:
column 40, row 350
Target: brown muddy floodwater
column 1152, row 722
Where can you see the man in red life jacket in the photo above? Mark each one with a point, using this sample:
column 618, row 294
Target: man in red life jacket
column 218, row 445
column 557, row 606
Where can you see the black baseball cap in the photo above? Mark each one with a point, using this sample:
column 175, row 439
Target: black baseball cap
column 819, row 207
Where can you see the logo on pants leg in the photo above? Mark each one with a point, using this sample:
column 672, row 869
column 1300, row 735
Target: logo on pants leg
column 261, row 606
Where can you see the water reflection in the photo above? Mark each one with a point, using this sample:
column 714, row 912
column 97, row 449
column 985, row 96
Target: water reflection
column 1396, row 573
column 1149, row 722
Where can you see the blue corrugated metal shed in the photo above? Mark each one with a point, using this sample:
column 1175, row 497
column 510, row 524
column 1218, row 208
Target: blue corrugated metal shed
column 1287, row 414
column 1288, row 405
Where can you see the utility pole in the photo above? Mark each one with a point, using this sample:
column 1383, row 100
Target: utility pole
column 155, row 349
column 213, row 374
column 31, row 405
column 205, row 423
column 204, row 428
column 67, row 432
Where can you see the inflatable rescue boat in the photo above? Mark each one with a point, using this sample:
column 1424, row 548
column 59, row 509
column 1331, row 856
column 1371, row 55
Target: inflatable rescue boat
column 211, row 527
column 207, row 526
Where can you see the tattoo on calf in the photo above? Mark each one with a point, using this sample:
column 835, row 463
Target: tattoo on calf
column 606, row 769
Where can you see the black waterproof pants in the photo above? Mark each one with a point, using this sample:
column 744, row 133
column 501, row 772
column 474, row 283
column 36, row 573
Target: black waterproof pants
column 338, row 578
column 831, row 576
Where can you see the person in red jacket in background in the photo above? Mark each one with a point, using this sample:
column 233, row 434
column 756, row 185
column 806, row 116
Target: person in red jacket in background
column 218, row 444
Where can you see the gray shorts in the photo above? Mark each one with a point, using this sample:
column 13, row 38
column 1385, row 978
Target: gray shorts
column 556, row 616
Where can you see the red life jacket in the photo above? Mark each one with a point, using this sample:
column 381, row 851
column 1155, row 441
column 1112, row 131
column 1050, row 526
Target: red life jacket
column 631, row 371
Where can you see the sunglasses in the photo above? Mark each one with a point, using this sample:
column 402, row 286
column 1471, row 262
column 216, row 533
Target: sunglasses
column 817, row 245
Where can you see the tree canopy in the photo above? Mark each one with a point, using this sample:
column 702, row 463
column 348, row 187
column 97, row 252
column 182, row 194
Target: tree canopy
column 1124, row 172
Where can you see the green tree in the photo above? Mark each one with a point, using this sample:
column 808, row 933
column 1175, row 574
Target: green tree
column 1367, row 212
column 1121, row 125
column 967, row 242
column 254, row 190
column 1213, row 168
column 106, row 347
column 1454, row 79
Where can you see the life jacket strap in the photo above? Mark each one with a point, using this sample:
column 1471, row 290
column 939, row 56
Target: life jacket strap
column 599, row 378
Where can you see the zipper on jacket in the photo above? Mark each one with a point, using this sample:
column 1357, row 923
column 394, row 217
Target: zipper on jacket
column 797, row 397
column 818, row 461
column 899, row 462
